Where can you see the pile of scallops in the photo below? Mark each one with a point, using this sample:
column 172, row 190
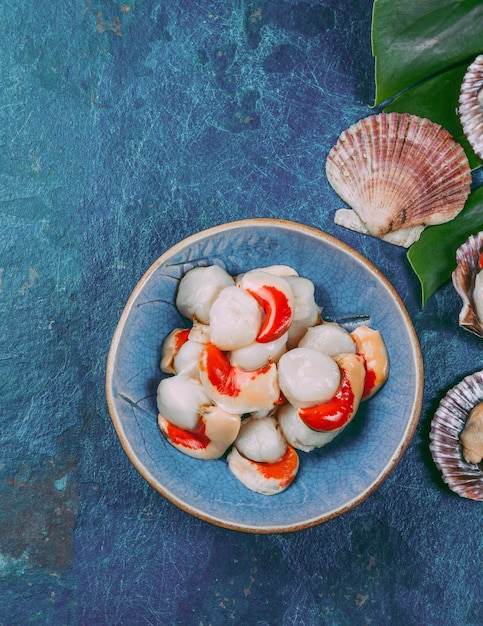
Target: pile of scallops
column 258, row 375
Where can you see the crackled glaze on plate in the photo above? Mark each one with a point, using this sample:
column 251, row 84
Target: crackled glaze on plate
column 330, row 480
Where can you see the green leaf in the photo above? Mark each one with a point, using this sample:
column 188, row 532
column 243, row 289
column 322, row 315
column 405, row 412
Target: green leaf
column 437, row 99
column 422, row 49
column 432, row 257
column 416, row 39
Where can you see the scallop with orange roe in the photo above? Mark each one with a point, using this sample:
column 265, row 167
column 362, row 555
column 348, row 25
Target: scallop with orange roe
column 265, row 478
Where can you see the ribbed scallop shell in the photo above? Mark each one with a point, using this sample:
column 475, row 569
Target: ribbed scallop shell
column 471, row 105
column 467, row 267
column 463, row 478
column 399, row 171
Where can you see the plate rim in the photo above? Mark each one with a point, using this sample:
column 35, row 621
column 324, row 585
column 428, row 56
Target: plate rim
column 193, row 510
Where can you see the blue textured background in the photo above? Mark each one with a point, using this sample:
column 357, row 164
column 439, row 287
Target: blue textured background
column 125, row 127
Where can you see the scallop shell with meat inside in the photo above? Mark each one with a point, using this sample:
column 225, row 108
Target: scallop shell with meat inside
column 398, row 173
column 471, row 105
column 468, row 282
column 449, row 422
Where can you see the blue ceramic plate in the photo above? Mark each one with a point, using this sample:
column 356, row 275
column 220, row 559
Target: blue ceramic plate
column 330, row 480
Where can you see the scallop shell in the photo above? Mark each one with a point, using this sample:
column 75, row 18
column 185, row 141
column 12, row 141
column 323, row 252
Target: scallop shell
column 471, row 105
column 465, row 479
column 467, row 266
column 399, row 172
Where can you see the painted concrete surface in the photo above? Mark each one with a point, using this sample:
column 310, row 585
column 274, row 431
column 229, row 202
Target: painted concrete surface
column 124, row 128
